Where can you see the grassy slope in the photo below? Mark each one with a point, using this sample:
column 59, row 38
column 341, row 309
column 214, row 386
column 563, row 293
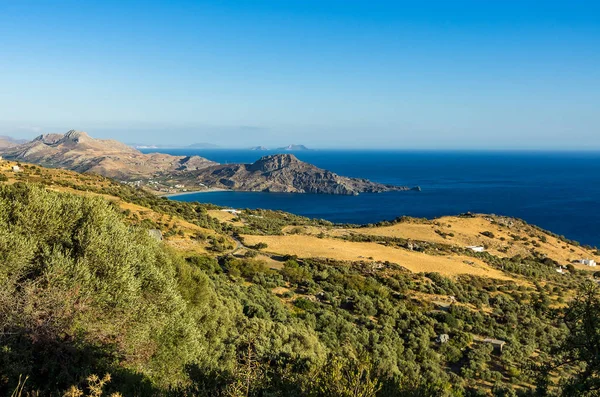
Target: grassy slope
column 511, row 237
column 446, row 255
column 309, row 247
column 85, row 184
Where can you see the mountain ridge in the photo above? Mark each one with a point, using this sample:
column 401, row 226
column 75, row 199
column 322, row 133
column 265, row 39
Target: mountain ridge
column 76, row 150
column 164, row 173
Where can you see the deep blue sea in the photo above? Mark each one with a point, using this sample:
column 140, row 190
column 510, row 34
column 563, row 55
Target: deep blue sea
column 557, row 191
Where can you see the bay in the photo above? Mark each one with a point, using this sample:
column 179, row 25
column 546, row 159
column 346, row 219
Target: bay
column 558, row 191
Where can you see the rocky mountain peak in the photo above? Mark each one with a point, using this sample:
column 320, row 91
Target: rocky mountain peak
column 48, row 139
column 76, row 136
column 274, row 162
column 71, row 136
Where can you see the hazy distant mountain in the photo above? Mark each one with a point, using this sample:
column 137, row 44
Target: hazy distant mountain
column 7, row 141
column 293, row 147
column 259, row 148
column 203, row 145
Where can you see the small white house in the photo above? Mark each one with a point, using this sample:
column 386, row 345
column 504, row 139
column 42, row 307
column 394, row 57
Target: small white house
column 476, row 248
column 232, row 211
column 16, row 168
column 586, row 262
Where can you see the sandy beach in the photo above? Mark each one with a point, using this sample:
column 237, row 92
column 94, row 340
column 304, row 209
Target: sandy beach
column 211, row 190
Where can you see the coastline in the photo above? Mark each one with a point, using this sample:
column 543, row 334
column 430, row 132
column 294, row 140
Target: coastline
column 211, row 190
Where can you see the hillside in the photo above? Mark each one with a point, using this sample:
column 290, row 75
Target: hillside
column 163, row 173
column 78, row 151
column 285, row 173
column 264, row 302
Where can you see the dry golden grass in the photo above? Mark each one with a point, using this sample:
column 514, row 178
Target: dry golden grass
column 224, row 216
column 467, row 232
column 311, row 247
column 51, row 175
column 271, row 263
column 186, row 245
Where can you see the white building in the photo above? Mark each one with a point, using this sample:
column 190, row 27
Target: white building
column 16, row 168
column 586, row 262
column 232, row 211
column 589, row 262
column 476, row 248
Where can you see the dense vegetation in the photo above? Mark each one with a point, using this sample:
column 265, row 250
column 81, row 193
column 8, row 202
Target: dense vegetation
column 85, row 291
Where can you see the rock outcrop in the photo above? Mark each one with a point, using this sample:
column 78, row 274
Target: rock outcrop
column 285, row 173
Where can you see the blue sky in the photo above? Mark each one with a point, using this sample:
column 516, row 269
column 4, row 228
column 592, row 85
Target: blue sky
column 363, row 74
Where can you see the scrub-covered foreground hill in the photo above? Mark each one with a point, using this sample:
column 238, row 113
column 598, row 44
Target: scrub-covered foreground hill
column 176, row 298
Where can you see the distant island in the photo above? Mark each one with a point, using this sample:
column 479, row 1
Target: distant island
column 165, row 173
column 288, row 148
column 294, row 147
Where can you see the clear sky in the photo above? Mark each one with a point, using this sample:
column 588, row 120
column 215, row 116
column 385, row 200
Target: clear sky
column 325, row 73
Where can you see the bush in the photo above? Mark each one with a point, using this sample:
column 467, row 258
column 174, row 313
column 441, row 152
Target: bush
column 294, row 273
column 250, row 254
column 260, row 246
column 304, row 304
column 97, row 289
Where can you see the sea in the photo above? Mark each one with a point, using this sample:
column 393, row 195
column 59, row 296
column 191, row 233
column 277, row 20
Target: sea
column 558, row 191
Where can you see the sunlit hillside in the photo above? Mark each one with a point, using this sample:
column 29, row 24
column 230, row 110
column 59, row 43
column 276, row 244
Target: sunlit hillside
column 189, row 298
